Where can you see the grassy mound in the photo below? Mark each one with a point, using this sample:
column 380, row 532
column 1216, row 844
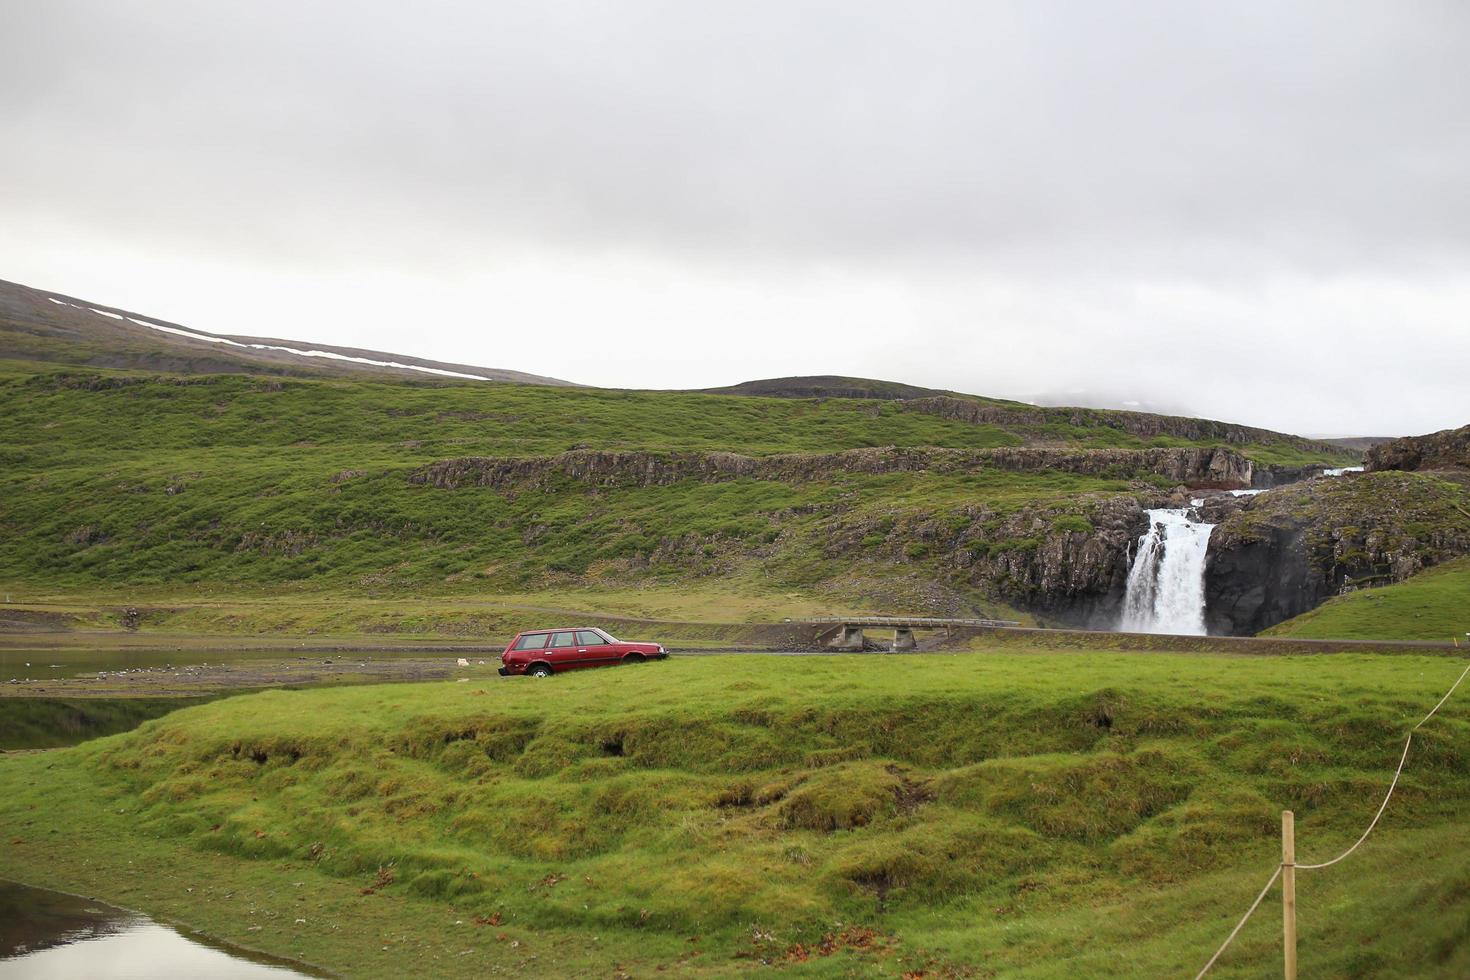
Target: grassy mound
column 969, row 811
column 1432, row 605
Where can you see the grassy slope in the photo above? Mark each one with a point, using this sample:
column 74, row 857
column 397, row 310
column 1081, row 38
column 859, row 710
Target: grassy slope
column 1036, row 815
column 254, row 484
column 1433, row 605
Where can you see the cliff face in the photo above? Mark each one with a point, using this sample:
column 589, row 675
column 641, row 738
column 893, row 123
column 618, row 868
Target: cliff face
column 1289, row 550
column 1075, row 577
column 1446, row 450
column 1212, row 467
column 1069, row 565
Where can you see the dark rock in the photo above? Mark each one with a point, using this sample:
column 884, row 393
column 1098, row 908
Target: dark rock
column 1289, row 550
column 1216, row 508
column 1267, row 477
column 1446, row 450
column 1070, row 576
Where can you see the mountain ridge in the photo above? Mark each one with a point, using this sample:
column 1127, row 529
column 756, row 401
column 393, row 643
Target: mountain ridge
column 45, row 326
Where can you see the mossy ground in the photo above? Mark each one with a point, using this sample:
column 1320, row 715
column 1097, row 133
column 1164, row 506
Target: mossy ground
column 1036, row 815
column 1432, row 605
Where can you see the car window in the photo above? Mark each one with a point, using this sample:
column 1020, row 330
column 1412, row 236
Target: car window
column 531, row 641
column 587, row 638
column 567, row 639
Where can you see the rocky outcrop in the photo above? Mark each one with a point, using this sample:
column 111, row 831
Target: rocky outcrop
column 1145, row 425
column 1066, row 562
column 1446, row 450
column 1212, row 467
column 1289, row 550
column 1068, row 574
column 1267, row 477
column 1213, row 508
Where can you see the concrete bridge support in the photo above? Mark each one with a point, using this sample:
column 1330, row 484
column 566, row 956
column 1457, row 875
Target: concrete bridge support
column 847, row 638
column 903, row 639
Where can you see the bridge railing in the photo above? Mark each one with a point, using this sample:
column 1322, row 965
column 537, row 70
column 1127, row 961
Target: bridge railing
column 912, row 622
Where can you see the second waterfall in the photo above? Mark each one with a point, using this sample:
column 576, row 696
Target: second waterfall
column 1166, row 582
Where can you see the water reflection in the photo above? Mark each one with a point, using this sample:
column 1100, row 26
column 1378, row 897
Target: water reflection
column 49, row 723
column 46, row 934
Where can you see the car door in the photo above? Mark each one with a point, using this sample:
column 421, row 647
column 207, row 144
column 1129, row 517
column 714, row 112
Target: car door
column 595, row 650
column 562, row 651
column 533, row 645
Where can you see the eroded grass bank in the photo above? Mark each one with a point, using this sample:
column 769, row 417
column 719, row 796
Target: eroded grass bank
column 1019, row 814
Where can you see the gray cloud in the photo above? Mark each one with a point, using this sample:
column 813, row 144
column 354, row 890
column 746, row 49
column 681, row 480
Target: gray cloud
column 1248, row 209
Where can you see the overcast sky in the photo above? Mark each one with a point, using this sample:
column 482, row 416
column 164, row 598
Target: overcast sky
column 1251, row 211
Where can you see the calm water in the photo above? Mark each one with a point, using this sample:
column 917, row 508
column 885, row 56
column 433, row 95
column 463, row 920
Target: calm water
column 50, row 723
column 46, row 934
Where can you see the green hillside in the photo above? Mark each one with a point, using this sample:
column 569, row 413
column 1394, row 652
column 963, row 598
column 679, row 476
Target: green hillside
column 1432, row 605
column 1043, row 815
column 110, row 479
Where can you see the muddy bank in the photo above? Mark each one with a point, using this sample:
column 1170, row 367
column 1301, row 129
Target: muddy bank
column 200, row 680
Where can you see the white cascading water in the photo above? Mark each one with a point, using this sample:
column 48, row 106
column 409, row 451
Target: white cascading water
column 1166, row 582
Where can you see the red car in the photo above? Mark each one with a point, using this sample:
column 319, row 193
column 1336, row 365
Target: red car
column 541, row 653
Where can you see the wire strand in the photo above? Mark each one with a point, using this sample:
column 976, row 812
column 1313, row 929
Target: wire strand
column 1409, row 740
column 1239, row 925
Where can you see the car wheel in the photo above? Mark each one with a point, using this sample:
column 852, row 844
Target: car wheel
column 540, row 670
column 633, row 658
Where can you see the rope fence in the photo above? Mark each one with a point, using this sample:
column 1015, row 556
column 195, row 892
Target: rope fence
column 1289, row 867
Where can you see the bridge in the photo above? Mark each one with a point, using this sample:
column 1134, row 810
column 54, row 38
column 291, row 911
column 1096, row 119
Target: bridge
column 846, row 632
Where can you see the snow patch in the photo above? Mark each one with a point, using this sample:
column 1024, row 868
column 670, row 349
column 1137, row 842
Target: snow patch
column 330, row 355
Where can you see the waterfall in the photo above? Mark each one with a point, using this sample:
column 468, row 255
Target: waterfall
column 1166, row 581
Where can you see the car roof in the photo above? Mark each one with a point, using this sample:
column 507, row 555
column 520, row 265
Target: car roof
column 558, row 629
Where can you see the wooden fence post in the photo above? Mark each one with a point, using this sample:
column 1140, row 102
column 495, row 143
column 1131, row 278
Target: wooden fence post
column 1288, row 891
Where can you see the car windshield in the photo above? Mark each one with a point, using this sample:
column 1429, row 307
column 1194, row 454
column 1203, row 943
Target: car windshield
column 608, row 636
